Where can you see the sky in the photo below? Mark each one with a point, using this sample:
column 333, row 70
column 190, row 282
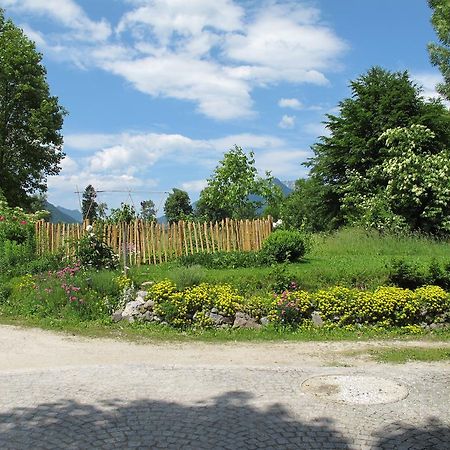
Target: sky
column 158, row 90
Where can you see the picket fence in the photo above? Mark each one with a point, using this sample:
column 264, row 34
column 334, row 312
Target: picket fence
column 141, row 242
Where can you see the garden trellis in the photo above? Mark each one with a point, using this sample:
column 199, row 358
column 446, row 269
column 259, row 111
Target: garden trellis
column 153, row 243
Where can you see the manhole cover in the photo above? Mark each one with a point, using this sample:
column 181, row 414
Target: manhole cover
column 355, row 389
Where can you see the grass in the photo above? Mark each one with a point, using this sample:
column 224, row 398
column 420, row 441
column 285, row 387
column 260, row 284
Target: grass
column 156, row 333
column 404, row 355
column 349, row 257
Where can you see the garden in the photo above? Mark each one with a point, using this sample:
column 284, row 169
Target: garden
column 351, row 283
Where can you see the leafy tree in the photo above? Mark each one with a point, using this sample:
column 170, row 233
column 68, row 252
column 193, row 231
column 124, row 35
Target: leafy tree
column 440, row 54
column 148, row 210
column 30, row 118
column 89, row 205
column 126, row 213
column 177, row 206
column 235, row 190
column 380, row 100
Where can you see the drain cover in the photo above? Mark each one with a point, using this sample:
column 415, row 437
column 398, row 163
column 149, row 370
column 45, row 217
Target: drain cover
column 355, row 389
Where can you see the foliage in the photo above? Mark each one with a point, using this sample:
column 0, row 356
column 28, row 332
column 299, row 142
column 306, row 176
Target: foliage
column 185, row 277
column 125, row 214
column 235, row 190
column 30, row 118
column 415, row 193
column 219, row 260
column 89, row 205
column 346, row 163
column 305, row 209
column 93, row 252
column 440, row 54
column 281, row 279
column 67, row 293
column 386, row 306
column 292, row 307
column 285, row 245
column 177, row 206
column 410, row 275
column 148, row 210
column 189, row 306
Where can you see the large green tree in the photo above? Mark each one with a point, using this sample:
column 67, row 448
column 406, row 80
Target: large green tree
column 380, row 100
column 30, row 118
column 235, row 190
column 440, row 53
column 89, row 205
column 177, row 206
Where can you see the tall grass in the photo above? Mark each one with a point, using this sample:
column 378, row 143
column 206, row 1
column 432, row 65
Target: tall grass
column 348, row 257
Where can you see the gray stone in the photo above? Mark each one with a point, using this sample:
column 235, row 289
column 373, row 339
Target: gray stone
column 141, row 294
column 149, row 304
column 116, row 316
column 317, row 319
column 264, row 321
column 148, row 316
column 147, row 283
column 437, row 326
column 132, row 308
column 215, row 311
column 243, row 320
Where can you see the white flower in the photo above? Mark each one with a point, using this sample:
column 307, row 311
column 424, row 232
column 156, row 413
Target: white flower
column 89, row 228
column 278, row 223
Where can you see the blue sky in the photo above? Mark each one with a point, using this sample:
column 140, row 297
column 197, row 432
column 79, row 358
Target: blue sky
column 158, row 90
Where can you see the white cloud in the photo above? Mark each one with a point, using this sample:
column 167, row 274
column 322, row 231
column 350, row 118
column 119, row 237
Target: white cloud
column 210, row 53
column 316, row 129
column 194, row 185
column 287, row 122
column 65, row 12
column 284, row 163
column 290, row 103
column 138, row 161
column 429, row 80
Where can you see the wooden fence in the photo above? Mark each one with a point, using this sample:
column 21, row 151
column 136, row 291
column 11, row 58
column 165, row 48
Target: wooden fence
column 142, row 242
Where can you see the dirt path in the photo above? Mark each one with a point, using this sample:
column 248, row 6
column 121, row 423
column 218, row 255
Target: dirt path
column 61, row 391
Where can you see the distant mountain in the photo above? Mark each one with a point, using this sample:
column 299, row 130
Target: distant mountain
column 74, row 213
column 290, row 184
column 57, row 215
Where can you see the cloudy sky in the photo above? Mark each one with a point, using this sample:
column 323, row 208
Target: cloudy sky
column 158, row 90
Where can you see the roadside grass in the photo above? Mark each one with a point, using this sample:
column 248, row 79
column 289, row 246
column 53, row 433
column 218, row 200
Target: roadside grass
column 145, row 333
column 348, row 257
column 404, row 355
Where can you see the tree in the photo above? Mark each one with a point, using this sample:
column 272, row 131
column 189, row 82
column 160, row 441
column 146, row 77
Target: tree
column 380, row 100
column 440, row 54
column 89, row 205
column 148, row 210
column 235, row 190
column 177, row 206
column 30, row 118
column 125, row 213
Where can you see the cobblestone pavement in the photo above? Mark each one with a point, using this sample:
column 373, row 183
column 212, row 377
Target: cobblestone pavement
column 187, row 406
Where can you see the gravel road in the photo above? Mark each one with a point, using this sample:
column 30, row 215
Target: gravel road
column 59, row 391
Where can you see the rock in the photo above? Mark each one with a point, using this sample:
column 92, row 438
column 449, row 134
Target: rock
column 147, row 283
column 437, row 326
column 149, row 304
column 141, row 294
column 116, row 316
column 148, row 316
column 243, row 320
column 132, row 308
column 317, row 319
column 219, row 319
column 215, row 311
column 156, row 319
column 264, row 321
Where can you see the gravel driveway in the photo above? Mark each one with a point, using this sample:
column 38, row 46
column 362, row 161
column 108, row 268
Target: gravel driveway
column 66, row 392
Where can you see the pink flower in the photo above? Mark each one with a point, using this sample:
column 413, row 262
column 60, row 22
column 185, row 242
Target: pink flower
column 23, row 222
column 2, row 218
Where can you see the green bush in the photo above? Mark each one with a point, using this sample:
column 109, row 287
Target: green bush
column 224, row 260
column 185, row 277
column 92, row 252
column 411, row 276
column 284, row 245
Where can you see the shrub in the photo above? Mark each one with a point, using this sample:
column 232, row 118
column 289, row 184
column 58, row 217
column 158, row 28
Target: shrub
column 284, row 245
column 281, row 279
column 411, row 276
column 92, row 252
column 185, row 277
column 292, row 307
column 224, row 260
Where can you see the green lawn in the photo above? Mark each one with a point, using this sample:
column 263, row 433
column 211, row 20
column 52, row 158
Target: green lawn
column 349, row 257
